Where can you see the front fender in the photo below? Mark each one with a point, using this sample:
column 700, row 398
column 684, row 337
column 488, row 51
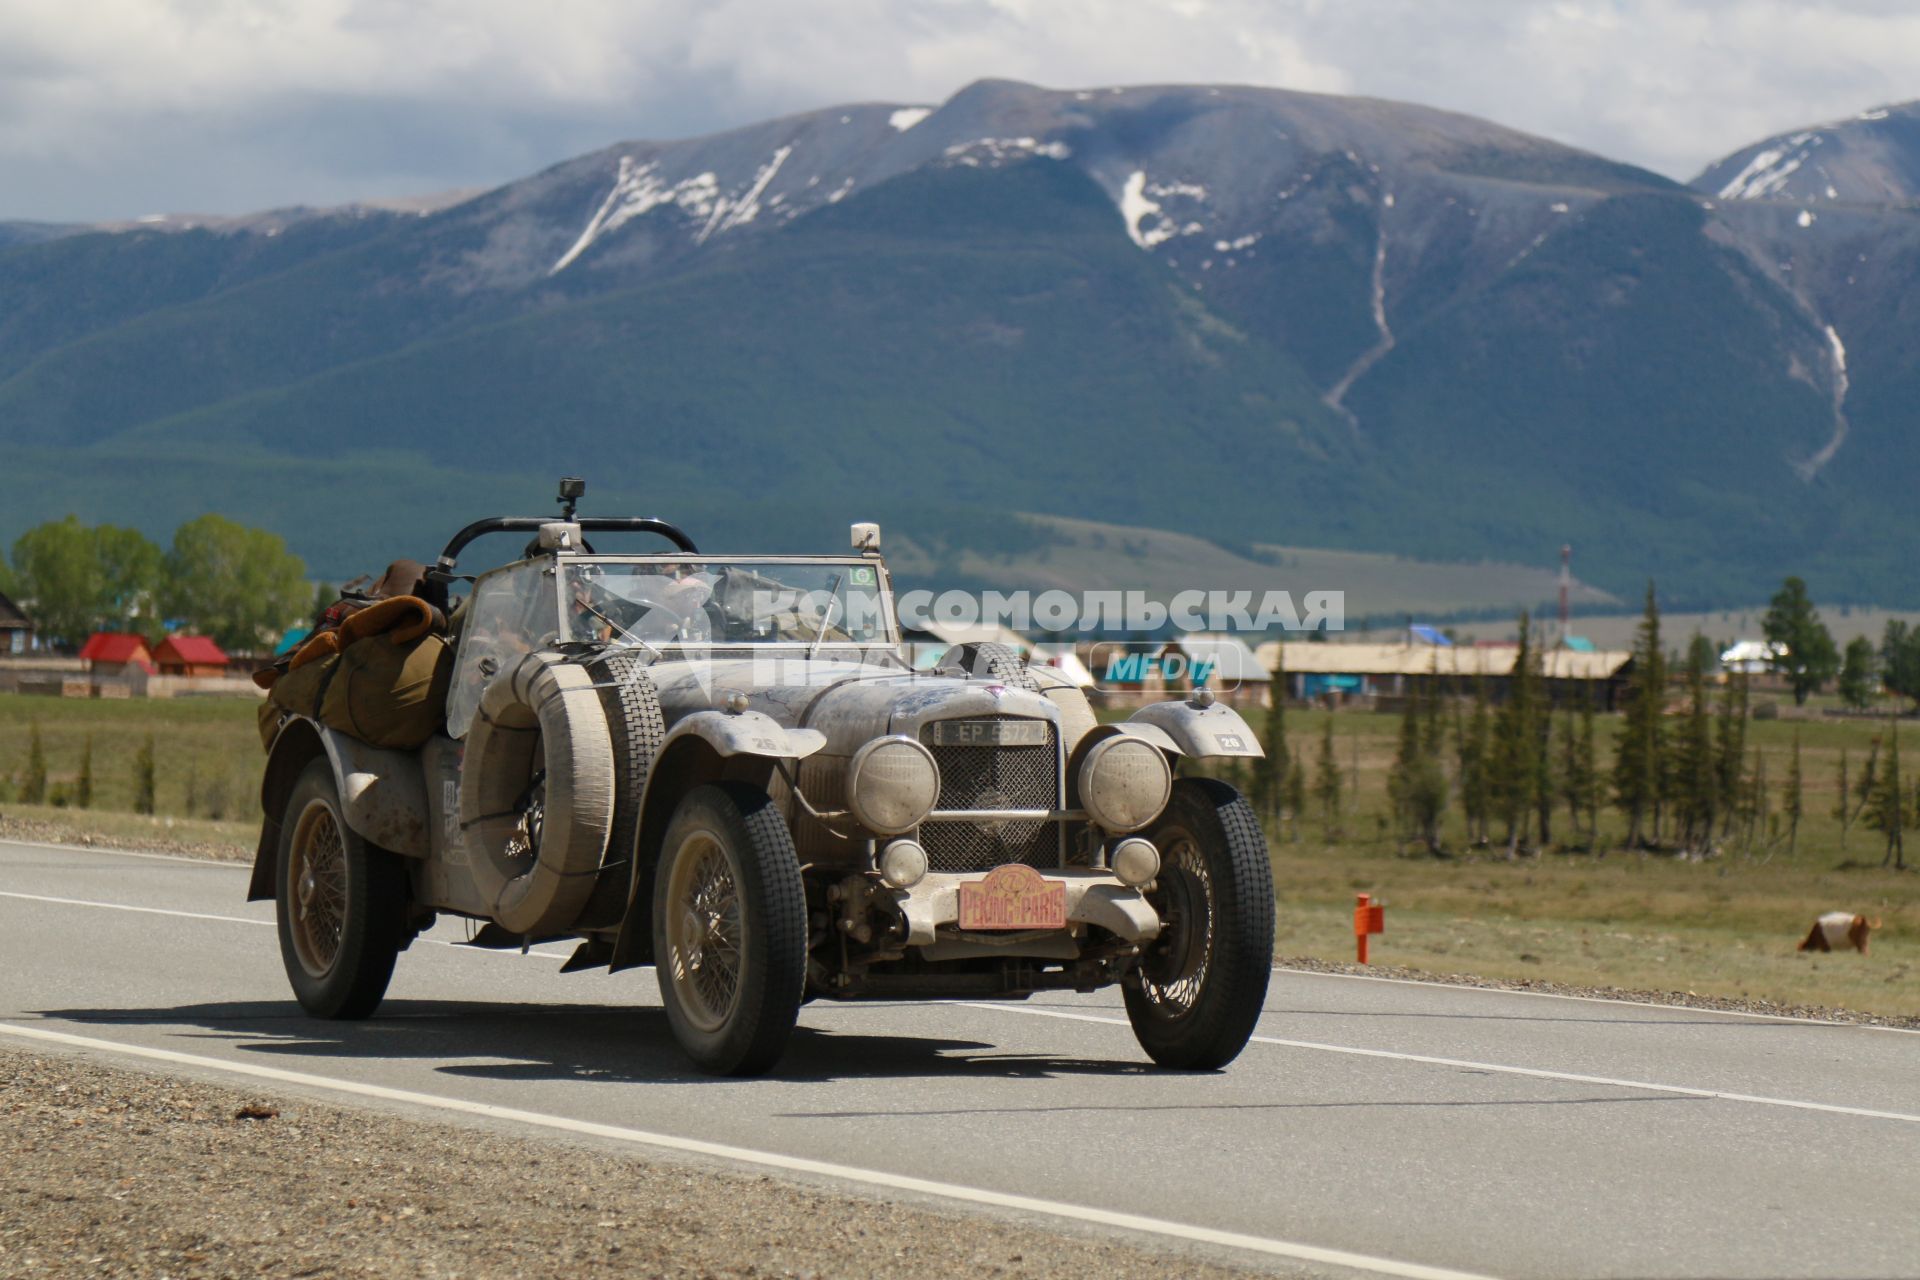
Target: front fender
column 746, row 733
column 1198, row 732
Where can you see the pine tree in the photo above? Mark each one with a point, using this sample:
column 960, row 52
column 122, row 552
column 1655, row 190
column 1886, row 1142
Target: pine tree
column 1471, row 753
column 1887, row 807
column 1868, row 786
column 1796, row 788
column 1580, row 783
column 33, row 790
column 1416, row 786
column 1696, row 769
column 1296, row 798
column 1637, row 757
column 1842, row 811
column 143, row 796
column 1270, row 776
column 1596, row 785
column 1518, row 756
column 1730, row 740
column 1755, row 809
column 83, row 789
column 1327, row 784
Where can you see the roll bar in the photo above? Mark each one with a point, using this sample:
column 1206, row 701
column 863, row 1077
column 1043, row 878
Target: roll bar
column 590, row 524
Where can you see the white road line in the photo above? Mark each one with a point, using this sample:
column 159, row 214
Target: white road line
column 770, row 1160
column 1620, row 1000
column 265, row 924
column 145, row 911
column 1494, row 1067
column 228, row 865
column 1497, row 1068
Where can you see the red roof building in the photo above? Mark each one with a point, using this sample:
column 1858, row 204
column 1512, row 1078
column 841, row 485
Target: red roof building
column 114, row 652
column 190, row 656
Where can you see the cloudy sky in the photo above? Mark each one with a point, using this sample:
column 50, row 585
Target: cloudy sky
column 115, row 108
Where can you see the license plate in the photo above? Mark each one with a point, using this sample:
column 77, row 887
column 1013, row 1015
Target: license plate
column 990, row 733
column 1013, row 897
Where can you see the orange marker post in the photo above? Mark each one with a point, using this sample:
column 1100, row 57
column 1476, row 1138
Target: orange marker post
column 1367, row 919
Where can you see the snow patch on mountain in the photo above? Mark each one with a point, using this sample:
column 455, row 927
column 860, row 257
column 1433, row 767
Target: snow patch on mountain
column 993, row 152
column 1136, row 208
column 637, row 190
column 1770, row 168
column 907, row 117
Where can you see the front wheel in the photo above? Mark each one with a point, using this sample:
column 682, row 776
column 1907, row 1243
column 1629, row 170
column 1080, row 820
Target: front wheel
column 341, row 904
column 730, row 929
column 1201, row 984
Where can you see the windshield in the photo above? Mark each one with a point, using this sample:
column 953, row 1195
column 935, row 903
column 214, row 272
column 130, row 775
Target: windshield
column 721, row 602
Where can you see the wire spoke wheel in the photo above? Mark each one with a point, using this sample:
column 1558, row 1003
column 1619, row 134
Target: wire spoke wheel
column 318, row 871
column 705, row 949
column 1174, row 971
column 341, row 904
column 730, row 929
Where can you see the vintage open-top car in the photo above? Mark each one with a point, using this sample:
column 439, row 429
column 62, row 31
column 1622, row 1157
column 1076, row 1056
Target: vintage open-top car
column 721, row 766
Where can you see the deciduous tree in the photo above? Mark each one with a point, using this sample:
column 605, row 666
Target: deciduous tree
column 1858, row 674
column 236, row 584
column 1804, row 651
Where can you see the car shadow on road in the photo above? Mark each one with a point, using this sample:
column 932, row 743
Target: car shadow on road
column 573, row 1042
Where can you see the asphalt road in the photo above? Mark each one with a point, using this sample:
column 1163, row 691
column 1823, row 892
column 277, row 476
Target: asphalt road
column 1373, row 1127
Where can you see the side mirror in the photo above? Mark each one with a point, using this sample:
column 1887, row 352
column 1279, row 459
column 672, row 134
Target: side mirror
column 866, row 539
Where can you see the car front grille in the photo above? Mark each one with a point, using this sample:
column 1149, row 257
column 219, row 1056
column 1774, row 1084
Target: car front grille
column 994, row 777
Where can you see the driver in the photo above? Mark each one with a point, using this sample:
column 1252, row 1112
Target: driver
column 661, row 606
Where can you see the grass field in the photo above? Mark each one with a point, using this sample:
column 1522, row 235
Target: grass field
column 1725, row 926
column 206, row 751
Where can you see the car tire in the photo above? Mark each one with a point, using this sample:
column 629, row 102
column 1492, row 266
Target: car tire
column 730, row 929
column 1199, row 988
column 340, row 904
column 539, row 757
column 637, row 727
column 990, row 661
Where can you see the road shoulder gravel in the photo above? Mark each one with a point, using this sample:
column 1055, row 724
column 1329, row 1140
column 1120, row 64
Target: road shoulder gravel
column 112, row 1171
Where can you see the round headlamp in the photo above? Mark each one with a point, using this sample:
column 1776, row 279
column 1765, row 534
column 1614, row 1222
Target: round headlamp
column 1124, row 783
column 903, row 864
column 892, row 784
column 1135, row 861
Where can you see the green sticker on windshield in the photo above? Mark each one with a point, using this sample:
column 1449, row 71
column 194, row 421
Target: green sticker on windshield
column 862, row 577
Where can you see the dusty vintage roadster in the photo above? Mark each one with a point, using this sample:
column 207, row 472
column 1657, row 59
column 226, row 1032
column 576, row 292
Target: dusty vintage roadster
column 722, row 767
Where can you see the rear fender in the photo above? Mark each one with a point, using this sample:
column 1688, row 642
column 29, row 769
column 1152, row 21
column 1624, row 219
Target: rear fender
column 383, row 794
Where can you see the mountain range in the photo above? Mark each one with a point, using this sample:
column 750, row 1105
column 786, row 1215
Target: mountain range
column 1253, row 315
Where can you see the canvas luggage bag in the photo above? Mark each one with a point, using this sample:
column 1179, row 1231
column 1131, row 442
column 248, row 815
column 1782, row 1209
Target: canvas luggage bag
column 299, row 690
column 387, row 691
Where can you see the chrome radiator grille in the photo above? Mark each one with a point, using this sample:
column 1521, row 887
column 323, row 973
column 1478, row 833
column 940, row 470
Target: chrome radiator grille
column 994, row 777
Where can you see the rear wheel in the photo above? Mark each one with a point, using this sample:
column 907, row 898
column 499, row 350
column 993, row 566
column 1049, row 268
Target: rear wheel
column 1200, row 985
column 730, row 929
column 341, row 904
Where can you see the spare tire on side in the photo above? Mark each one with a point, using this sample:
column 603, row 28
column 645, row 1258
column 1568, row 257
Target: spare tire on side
column 537, row 793
column 637, row 728
column 988, row 661
column 1077, row 719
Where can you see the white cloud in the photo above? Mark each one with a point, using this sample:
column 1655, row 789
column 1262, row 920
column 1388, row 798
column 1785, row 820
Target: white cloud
column 119, row 107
